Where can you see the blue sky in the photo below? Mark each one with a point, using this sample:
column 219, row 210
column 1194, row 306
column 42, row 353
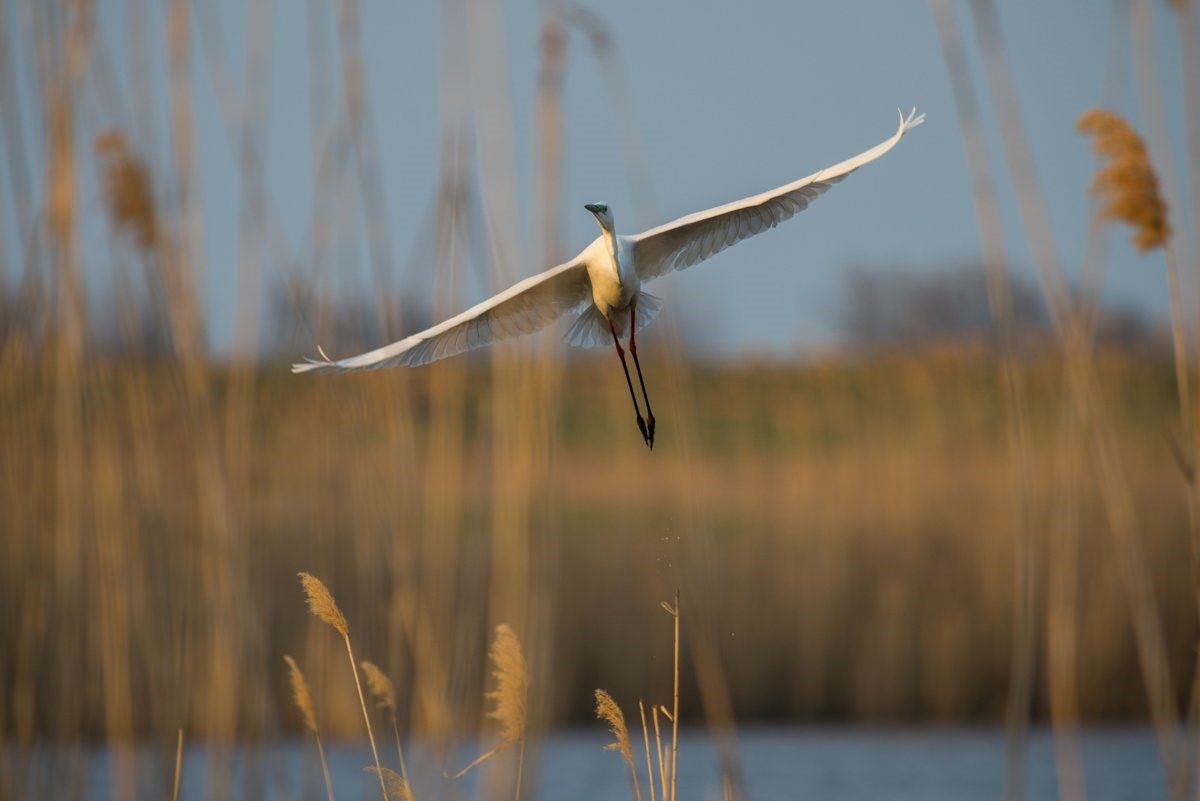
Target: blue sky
column 730, row 99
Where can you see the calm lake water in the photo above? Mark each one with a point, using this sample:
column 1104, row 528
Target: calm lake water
column 782, row 763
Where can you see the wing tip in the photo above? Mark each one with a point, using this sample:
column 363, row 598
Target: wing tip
column 314, row 365
column 909, row 121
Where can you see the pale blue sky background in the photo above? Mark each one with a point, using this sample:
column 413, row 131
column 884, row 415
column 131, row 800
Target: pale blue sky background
column 731, row 98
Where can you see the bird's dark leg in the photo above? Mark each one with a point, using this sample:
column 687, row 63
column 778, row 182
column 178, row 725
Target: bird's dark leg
column 621, row 353
column 642, row 381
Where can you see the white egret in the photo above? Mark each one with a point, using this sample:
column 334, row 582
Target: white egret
column 604, row 282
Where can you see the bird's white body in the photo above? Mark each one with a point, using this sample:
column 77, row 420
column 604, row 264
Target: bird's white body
column 609, row 272
column 609, row 263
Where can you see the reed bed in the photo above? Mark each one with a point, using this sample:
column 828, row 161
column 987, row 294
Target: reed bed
column 780, row 465
column 156, row 505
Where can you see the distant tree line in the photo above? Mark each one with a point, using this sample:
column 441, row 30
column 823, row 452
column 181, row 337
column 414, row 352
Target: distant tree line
column 886, row 308
column 882, row 308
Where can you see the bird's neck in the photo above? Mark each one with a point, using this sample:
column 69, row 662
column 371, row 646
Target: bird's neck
column 610, row 242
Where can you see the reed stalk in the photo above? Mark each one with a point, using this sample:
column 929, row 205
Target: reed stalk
column 646, row 747
column 179, row 767
column 511, row 699
column 1000, row 305
column 302, row 697
column 658, row 747
column 398, row 788
column 385, row 698
column 673, row 610
column 323, row 607
column 608, row 711
column 1081, row 384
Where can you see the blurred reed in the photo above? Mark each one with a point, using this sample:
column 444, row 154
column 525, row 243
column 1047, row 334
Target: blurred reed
column 302, row 698
column 1071, row 320
column 385, row 698
column 608, row 711
column 511, row 699
column 889, row 500
column 323, row 607
column 397, row 787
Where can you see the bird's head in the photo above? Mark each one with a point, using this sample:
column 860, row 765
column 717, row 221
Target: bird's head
column 602, row 214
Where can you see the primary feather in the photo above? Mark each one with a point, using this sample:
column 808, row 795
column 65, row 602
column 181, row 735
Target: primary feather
column 696, row 237
column 523, row 308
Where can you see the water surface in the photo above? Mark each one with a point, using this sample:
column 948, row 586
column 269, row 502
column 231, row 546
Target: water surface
column 848, row 764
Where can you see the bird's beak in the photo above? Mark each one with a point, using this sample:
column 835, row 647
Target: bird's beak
column 593, row 208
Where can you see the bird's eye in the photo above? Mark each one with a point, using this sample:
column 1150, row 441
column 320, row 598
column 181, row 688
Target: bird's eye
column 603, row 208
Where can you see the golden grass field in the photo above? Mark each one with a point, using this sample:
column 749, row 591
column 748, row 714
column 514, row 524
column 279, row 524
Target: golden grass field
column 854, row 544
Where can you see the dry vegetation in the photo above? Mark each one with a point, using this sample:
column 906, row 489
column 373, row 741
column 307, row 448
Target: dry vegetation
column 871, row 498
column 959, row 533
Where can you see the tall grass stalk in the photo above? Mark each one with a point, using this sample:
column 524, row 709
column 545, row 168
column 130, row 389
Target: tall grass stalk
column 1062, row 587
column 646, row 748
column 1128, row 189
column 511, row 699
column 1081, row 383
column 1148, row 84
column 323, row 606
column 608, row 711
column 179, row 767
column 658, row 747
column 303, row 700
column 673, row 611
column 385, row 698
column 1000, row 304
column 252, row 233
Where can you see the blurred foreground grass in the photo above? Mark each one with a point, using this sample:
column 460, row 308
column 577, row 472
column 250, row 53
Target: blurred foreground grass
column 854, row 559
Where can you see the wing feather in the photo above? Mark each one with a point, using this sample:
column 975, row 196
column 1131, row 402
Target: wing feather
column 523, row 308
column 696, row 237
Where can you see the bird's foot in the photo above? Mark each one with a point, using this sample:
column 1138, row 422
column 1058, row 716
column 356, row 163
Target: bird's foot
column 650, row 432
column 642, row 427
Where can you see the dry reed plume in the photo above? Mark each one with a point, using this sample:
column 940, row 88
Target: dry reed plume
column 385, row 698
column 1126, row 186
column 323, row 606
column 396, row 787
column 380, row 686
column 300, row 694
column 128, row 193
column 303, row 700
column 512, row 684
column 608, row 711
column 511, row 697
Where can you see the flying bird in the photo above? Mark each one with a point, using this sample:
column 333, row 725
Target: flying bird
column 603, row 284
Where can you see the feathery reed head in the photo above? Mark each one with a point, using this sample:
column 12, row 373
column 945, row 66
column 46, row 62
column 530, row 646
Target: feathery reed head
column 512, row 684
column 127, row 190
column 381, row 686
column 1126, row 184
column 321, row 603
column 397, row 789
column 301, row 695
column 608, row 711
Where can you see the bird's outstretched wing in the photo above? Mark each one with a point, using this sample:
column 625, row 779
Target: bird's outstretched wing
column 692, row 239
column 521, row 309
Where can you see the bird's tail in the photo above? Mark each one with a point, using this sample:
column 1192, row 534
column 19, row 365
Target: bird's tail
column 590, row 329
